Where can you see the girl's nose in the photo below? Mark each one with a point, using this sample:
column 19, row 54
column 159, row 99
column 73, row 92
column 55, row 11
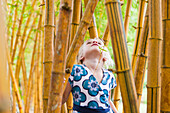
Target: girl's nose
column 95, row 42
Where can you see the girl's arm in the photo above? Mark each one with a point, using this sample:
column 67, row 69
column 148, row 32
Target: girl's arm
column 111, row 103
column 66, row 93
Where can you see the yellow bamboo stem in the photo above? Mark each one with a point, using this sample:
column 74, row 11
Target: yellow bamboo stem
column 139, row 74
column 75, row 19
column 58, row 69
column 29, row 32
column 127, row 16
column 92, row 28
column 13, row 26
column 106, row 35
column 14, row 82
column 154, row 57
column 4, row 96
column 138, row 32
column 29, row 85
column 41, row 71
column 116, row 94
column 18, row 65
column 38, row 74
column 165, row 65
column 48, row 50
column 18, row 34
column 121, row 56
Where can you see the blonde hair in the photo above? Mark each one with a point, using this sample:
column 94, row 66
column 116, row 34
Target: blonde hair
column 107, row 64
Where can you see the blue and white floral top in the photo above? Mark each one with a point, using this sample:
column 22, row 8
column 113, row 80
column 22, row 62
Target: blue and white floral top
column 88, row 94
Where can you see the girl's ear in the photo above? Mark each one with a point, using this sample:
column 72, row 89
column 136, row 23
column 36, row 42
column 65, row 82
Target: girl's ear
column 81, row 58
column 104, row 59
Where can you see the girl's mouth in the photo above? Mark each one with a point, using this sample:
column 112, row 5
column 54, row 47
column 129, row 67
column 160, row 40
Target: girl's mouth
column 94, row 44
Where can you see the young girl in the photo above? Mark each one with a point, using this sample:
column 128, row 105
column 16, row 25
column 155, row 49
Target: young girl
column 89, row 83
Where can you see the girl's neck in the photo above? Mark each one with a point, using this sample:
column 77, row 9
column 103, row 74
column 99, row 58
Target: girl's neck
column 93, row 64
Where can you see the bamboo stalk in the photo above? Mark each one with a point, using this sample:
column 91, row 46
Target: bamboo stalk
column 154, row 49
column 18, row 34
column 75, row 19
column 24, row 76
column 92, row 28
column 13, row 26
column 116, row 94
column 4, row 90
column 58, row 69
column 38, row 74
column 14, row 82
column 121, row 56
column 106, row 35
column 48, row 50
column 138, row 33
column 165, row 65
column 28, row 95
column 127, row 16
column 30, row 32
column 139, row 74
column 18, row 65
column 41, row 73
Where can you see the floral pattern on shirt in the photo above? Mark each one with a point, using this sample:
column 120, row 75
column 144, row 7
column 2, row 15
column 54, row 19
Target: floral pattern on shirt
column 78, row 96
column 91, row 85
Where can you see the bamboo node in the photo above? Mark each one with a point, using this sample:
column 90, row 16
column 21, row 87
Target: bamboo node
column 74, row 23
column 67, row 70
column 112, row 1
column 47, row 62
column 122, row 71
column 156, row 38
column 164, row 66
column 66, row 6
column 152, row 86
column 49, row 25
column 142, row 55
column 41, row 4
column 112, row 70
column 69, row 109
column 116, row 99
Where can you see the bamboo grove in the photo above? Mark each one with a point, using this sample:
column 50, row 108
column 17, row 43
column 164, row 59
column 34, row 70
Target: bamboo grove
column 40, row 39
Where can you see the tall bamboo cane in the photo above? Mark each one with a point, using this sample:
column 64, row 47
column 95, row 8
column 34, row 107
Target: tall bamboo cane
column 154, row 49
column 48, row 50
column 127, row 16
column 165, row 65
column 41, row 71
column 58, row 69
column 74, row 27
column 106, row 35
column 121, row 56
column 92, row 28
column 29, row 85
column 14, row 82
column 4, row 96
column 139, row 74
column 18, row 34
column 138, row 33
column 75, row 19
column 18, row 65
column 13, row 26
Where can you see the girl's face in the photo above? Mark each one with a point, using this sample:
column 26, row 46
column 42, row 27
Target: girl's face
column 92, row 47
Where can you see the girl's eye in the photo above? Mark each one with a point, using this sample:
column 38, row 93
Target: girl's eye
column 88, row 42
column 99, row 43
